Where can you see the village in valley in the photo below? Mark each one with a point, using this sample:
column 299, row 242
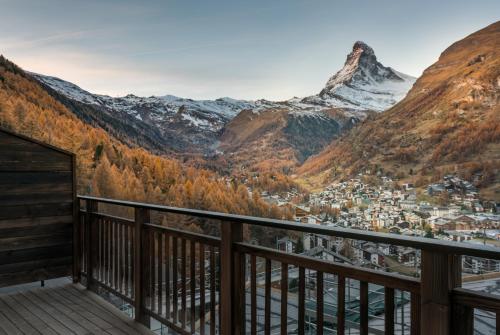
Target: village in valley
column 448, row 210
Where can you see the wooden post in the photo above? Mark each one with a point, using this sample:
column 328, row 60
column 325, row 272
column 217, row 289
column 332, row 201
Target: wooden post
column 77, row 260
column 92, row 243
column 440, row 274
column 141, row 269
column 232, row 280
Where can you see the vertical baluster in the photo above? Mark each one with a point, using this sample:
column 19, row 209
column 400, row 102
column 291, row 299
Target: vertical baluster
column 122, row 258
column 141, row 268
column 319, row 303
column 132, row 262
column 127, row 259
column 202, row 288
column 363, row 307
column 415, row 314
column 497, row 316
column 302, row 299
column 192, row 274
column 115, row 255
column 119, row 253
column 220, row 303
column 267, row 307
column 92, row 243
column 389, row 310
column 167, row 276
column 101, row 250
column 174, row 278
column 341, row 305
column 110, row 253
column 183, row 283
column 284, row 298
column 212, row 290
column 153, row 268
column 253, row 294
column 160, row 273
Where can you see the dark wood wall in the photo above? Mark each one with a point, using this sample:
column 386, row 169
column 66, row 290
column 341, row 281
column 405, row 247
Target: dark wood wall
column 37, row 199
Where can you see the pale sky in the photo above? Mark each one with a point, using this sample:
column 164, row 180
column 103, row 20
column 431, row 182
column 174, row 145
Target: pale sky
column 242, row 49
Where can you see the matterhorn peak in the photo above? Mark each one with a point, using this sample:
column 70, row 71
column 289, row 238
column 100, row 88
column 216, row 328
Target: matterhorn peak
column 362, row 47
column 364, row 83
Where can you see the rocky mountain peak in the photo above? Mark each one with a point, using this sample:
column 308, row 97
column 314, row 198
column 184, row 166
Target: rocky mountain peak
column 364, row 83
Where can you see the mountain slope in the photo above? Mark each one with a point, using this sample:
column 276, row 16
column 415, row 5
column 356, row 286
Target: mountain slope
column 283, row 135
column 105, row 166
column 448, row 122
column 173, row 125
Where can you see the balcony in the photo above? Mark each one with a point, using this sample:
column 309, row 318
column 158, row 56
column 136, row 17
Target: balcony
column 176, row 281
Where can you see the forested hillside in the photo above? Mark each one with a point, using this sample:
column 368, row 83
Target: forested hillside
column 448, row 123
column 109, row 168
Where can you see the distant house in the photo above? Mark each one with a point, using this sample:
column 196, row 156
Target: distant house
column 286, row 244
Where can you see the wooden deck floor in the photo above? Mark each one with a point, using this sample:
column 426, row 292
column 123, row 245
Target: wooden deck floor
column 64, row 309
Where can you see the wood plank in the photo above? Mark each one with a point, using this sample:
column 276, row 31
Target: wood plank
column 302, row 299
column 38, row 210
column 175, row 269
column 35, row 221
column 127, row 260
column 48, row 229
column 36, row 264
column 28, row 316
column 319, row 303
column 439, row 275
column 114, row 315
column 183, row 283
column 253, row 295
column 31, row 198
column 167, row 276
column 192, row 289
column 14, row 179
column 91, row 307
column 267, row 297
column 341, row 305
column 70, row 311
column 10, row 188
column 284, row 298
column 363, row 307
column 91, row 312
column 415, row 314
column 213, row 278
column 11, row 139
column 34, row 254
column 51, row 310
column 389, row 310
column 152, row 257
column 141, row 269
column 37, row 241
column 202, row 287
column 34, row 275
column 42, row 314
column 16, row 318
column 7, row 327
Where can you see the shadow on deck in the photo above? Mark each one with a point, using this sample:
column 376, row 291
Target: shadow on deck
column 61, row 308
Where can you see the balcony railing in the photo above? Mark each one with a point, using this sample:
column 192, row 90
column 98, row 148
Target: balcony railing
column 195, row 283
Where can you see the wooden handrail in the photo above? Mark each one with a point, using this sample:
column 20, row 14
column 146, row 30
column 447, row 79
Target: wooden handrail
column 421, row 243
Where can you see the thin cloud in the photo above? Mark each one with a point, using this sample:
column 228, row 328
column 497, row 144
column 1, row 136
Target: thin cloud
column 45, row 40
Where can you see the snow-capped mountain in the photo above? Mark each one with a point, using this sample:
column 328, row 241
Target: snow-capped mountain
column 363, row 84
column 187, row 125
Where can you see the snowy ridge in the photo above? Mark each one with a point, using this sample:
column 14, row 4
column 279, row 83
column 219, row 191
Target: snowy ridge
column 362, row 84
